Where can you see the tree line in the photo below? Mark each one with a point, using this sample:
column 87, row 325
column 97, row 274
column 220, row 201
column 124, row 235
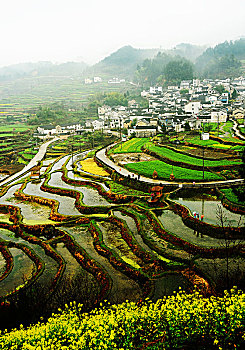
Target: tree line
column 222, row 61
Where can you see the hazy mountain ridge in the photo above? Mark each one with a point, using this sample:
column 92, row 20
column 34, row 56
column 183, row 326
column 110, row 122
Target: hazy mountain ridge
column 189, row 51
column 125, row 61
column 43, row 68
column 122, row 62
column 233, row 48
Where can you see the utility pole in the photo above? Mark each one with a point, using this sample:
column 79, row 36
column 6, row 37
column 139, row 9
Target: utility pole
column 203, row 163
column 120, row 131
column 218, row 124
column 92, row 137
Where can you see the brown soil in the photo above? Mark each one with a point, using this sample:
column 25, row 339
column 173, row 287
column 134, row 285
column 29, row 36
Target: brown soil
column 11, row 169
column 125, row 158
column 207, row 153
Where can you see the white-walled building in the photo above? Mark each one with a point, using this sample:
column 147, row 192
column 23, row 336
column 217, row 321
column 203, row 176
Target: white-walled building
column 219, row 116
column 193, row 107
column 98, row 124
column 97, row 80
column 155, row 89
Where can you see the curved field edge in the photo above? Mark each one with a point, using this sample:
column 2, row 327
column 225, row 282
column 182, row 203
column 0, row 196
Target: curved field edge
column 164, row 171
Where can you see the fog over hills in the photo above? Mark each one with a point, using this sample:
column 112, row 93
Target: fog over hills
column 124, row 62
column 45, row 68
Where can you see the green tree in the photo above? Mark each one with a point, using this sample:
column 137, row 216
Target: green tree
column 177, row 70
column 187, row 126
column 113, row 99
column 134, row 122
column 234, row 94
column 184, row 91
column 220, row 89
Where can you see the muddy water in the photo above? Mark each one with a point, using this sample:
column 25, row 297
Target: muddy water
column 90, row 196
column 72, row 266
column 47, row 162
column 72, row 176
column 66, row 204
column 9, row 194
column 132, row 227
column 51, row 267
column 173, row 223
column 75, row 158
column 3, row 176
column 22, row 271
column 123, row 287
column 209, row 208
column 33, row 213
column 5, row 218
column 76, row 282
column 2, row 265
column 169, row 283
column 113, row 240
column 59, row 164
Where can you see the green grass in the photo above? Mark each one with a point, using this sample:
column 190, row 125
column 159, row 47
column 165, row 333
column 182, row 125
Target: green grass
column 132, row 146
column 231, row 196
column 210, row 127
column 170, row 154
column 120, row 189
column 227, row 126
column 17, row 127
column 164, row 170
column 212, row 143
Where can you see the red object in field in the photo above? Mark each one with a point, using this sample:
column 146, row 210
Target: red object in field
column 156, row 194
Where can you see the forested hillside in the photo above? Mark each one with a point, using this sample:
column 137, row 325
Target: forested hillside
column 223, row 60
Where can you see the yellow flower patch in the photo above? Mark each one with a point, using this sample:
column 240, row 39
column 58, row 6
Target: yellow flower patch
column 90, row 166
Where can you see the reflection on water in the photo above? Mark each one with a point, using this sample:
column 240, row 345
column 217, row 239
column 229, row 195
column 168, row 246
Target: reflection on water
column 22, row 271
column 173, row 223
column 66, row 204
column 59, row 164
column 3, row 176
column 209, row 208
column 31, row 212
column 72, row 176
column 169, row 283
column 90, row 196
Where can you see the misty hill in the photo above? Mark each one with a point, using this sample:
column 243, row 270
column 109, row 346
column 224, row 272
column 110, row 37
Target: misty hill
column 124, row 61
column 188, row 51
column 223, row 59
column 44, row 68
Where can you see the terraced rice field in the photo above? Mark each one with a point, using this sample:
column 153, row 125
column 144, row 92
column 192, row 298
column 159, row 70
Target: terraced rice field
column 164, row 171
column 71, row 237
column 184, row 166
column 178, row 157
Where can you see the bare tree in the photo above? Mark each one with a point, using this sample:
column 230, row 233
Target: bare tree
column 230, row 244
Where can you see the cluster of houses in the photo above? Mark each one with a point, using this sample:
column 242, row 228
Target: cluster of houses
column 95, row 80
column 192, row 103
column 49, row 130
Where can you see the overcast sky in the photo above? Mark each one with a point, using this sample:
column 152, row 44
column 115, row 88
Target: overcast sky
column 65, row 30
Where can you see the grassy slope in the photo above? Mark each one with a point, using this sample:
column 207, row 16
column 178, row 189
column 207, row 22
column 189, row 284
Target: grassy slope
column 165, row 152
column 164, row 170
column 212, row 143
column 132, row 146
